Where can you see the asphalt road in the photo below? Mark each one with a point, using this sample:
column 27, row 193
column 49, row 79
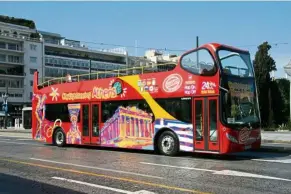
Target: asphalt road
column 28, row 166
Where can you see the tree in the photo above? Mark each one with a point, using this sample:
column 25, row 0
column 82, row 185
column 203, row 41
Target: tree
column 277, row 98
column 264, row 64
column 284, row 89
column 18, row 21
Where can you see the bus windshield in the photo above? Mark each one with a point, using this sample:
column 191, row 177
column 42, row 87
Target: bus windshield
column 239, row 104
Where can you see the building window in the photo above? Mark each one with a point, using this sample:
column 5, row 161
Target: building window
column 2, row 83
column 32, row 71
column 13, row 59
column 2, row 58
column 3, row 45
column 14, row 84
column 33, row 59
column 12, row 46
column 33, row 47
column 30, row 96
column 31, row 83
column 18, row 95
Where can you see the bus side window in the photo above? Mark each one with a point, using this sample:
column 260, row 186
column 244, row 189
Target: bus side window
column 199, row 62
column 179, row 108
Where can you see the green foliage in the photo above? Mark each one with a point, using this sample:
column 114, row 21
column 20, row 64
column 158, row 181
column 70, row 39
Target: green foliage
column 263, row 65
column 278, row 108
column 285, row 126
column 35, row 35
column 18, row 21
column 273, row 94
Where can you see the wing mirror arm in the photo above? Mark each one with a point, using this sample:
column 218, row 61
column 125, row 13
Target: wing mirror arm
column 224, row 89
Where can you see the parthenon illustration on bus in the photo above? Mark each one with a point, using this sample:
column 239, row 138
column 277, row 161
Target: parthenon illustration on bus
column 129, row 127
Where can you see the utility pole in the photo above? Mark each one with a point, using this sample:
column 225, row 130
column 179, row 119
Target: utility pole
column 90, row 70
column 197, row 53
column 197, row 41
column 136, row 48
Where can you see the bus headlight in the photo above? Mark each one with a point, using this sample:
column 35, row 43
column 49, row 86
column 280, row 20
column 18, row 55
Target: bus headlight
column 231, row 138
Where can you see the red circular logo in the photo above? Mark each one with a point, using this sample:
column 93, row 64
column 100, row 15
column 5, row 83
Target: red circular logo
column 172, row 83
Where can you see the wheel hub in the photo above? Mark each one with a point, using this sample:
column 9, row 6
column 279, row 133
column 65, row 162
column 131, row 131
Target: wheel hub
column 167, row 144
column 60, row 138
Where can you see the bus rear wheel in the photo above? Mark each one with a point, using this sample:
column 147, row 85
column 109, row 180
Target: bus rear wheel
column 168, row 144
column 60, row 138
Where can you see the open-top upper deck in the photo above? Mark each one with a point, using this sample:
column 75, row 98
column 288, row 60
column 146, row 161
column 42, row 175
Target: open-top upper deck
column 109, row 74
column 153, row 68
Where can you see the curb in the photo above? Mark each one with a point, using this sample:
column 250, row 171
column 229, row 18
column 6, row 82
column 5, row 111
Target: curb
column 276, row 141
column 274, row 149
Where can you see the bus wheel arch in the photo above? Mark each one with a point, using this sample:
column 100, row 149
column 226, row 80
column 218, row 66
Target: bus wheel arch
column 162, row 136
column 59, row 137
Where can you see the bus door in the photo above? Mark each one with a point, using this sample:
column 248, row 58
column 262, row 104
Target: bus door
column 90, row 123
column 205, row 123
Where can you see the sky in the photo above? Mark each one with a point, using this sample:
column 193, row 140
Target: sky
column 170, row 25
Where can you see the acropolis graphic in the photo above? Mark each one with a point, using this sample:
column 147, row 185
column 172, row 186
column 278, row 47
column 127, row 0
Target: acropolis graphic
column 129, row 127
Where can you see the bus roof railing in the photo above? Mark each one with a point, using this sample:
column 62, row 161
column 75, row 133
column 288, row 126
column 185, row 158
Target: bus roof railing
column 114, row 73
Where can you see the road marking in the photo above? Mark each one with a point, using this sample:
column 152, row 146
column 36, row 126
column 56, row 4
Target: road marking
column 24, row 139
column 102, row 187
column 98, row 168
column 245, row 174
column 222, row 172
column 182, row 167
column 105, row 176
column 4, row 139
column 285, row 161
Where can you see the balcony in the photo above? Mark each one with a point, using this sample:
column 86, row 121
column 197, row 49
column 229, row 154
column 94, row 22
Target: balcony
column 11, row 50
column 11, row 47
column 11, row 63
column 20, row 38
column 11, row 75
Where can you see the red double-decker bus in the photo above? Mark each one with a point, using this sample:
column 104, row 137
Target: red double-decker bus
column 207, row 102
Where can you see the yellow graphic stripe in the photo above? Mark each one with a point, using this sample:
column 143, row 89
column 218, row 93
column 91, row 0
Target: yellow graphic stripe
column 158, row 111
column 105, row 176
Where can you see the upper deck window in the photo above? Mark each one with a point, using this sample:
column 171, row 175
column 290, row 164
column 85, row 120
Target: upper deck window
column 235, row 63
column 199, row 62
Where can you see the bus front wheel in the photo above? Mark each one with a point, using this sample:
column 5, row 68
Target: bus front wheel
column 168, row 143
column 60, row 138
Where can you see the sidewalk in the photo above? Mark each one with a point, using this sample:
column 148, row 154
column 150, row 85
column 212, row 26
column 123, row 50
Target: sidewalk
column 276, row 137
column 17, row 130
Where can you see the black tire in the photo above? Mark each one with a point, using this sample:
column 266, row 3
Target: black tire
column 60, row 138
column 168, row 143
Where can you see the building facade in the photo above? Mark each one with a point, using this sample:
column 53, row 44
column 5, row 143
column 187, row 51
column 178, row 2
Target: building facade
column 51, row 55
column 20, row 55
column 24, row 50
column 63, row 56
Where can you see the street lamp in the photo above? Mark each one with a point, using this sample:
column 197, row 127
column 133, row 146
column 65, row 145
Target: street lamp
column 287, row 69
column 5, row 108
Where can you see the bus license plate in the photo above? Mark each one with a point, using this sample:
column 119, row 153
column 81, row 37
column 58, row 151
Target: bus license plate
column 248, row 147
